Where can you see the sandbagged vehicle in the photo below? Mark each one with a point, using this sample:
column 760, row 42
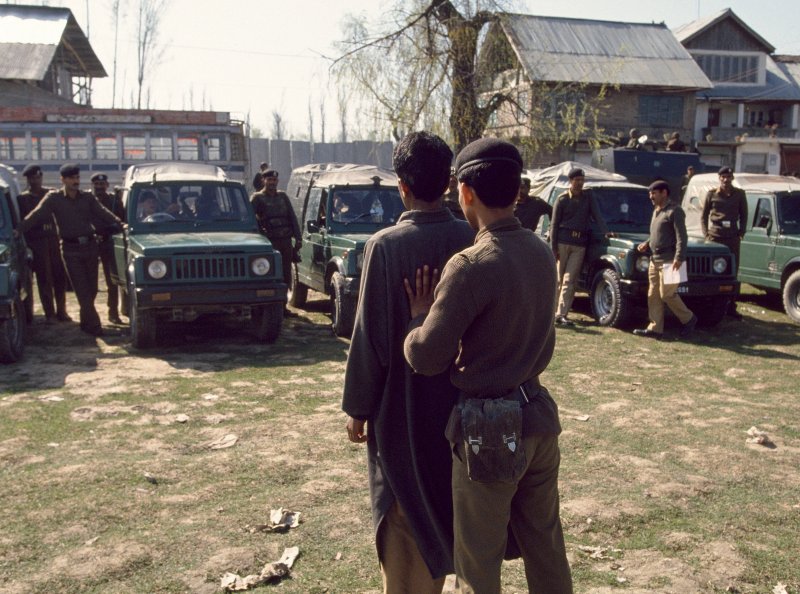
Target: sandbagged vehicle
column 192, row 248
column 770, row 249
column 614, row 273
column 339, row 206
column 16, row 295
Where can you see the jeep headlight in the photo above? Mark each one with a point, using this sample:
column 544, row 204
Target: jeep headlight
column 720, row 265
column 642, row 263
column 260, row 266
column 157, row 269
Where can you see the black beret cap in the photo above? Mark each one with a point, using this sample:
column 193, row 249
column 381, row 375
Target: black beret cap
column 99, row 177
column 488, row 150
column 69, row 169
column 270, row 173
column 576, row 172
column 31, row 170
column 725, row 171
column 659, row 184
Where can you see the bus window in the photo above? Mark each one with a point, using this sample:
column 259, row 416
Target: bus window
column 161, row 148
column 133, row 147
column 188, row 148
column 45, row 147
column 74, row 146
column 215, row 146
column 13, row 147
column 105, row 147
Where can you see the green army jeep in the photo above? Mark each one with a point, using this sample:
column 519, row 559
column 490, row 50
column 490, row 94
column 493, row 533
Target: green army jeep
column 770, row 249
column 16, row 296
column 615, row 274
column 338, row 207
column 192, row 248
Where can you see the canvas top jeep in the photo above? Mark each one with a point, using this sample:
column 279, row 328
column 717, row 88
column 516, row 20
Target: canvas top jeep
column 614, row 273
column 192, row 248
column 16, row 297
column 770, row 249
column 338, row 206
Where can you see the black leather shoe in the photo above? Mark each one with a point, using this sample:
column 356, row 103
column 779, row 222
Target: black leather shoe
column 564, row 321
column 689, row 326
column 115, row 319
column 63, row 317
column 647, row 333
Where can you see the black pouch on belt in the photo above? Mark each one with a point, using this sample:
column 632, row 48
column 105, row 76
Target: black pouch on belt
column 492, row 436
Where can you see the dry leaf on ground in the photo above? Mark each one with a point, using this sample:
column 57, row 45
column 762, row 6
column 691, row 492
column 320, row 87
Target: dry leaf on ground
column 758, row 436
column 274, row 571
column 226, row 441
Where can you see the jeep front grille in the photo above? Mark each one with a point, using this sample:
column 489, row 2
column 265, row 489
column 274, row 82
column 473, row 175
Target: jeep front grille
column 210, row 267
column 703, row 265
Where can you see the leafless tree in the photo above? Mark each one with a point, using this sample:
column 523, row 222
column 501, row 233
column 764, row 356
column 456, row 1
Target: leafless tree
column 149, row 48
column 115, row 16
column 278, row 125
column 310, row 121
column 342, row 100
column 322, row 117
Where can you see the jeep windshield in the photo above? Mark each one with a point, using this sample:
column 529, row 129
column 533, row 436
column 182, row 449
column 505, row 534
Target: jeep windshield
column 184, row 203
column 624, row 209
column 789, row 209
column 381, row 206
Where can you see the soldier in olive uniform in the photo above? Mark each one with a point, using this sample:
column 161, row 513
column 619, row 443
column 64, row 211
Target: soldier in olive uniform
column 530, row 209
column 77, row 215
column 51, row 278
column 278, row 222
column 724, row 220
column 105, row 244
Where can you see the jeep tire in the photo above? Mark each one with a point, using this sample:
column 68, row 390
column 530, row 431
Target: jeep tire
column 268, row 320
column 610, row 307
column 143, row 325
column 298, row 292
column 12, row 334
column 342, row 308
column 791, row 296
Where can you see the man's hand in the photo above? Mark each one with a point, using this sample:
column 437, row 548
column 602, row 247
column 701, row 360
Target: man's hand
column 643, row 247
column 420, row 301
column 610, row 234
column 676, row 265
column 355, row 430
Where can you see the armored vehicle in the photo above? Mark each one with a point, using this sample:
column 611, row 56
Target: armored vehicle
column 770, row 249
column 192, row 248
column 339, row 206
column 16, row 296
column 615, row 273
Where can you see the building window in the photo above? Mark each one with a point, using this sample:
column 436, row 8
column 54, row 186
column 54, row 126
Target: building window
column 161, row 148
column 656, row 110
column 75, row 146
column 133, row 147
column 729, row 68
column 13, row 147
column 105, row 147
column 563, row 104
column 45, row 147
column 215, row 146
column 188, row 148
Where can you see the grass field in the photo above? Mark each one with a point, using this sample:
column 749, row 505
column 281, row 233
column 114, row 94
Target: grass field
column 105, row 490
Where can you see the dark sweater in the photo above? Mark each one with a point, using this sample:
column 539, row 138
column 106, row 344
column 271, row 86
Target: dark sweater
column 75, row 217
column 724, row 215
column 668, row 234
column 573, row 213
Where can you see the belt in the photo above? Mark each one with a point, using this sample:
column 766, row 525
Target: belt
column 523, row 393
column 80, row 240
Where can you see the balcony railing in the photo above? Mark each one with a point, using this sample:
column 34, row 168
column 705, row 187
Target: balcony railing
column 733, row 134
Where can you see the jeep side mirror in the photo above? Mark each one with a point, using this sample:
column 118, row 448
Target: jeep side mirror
column 312, row 226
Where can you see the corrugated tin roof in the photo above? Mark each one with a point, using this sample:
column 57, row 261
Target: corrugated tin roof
column 554, row 49
column 689, row 31
column 781, row 85
column 17, row 93
column 32, row 34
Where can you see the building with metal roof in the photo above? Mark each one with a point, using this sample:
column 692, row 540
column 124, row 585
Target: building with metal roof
column 44, row 47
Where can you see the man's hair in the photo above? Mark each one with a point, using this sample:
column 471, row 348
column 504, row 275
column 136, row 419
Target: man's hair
column 422, row 161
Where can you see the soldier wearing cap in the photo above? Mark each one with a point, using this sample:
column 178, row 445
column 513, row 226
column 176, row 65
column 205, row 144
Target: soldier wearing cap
column 278, row 222
column 77, row 215
column 258, row 178
column 667, row 247
column 112, row 202
column 530, row 209
column 51, row 278
column 724, row 220
column 569, row 236
column 502, row 286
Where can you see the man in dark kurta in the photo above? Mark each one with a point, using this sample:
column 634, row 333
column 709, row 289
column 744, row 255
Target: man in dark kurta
column 405, row 415
column 529, row 209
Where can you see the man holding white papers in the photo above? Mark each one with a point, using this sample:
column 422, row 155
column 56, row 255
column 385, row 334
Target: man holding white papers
column 667, row 247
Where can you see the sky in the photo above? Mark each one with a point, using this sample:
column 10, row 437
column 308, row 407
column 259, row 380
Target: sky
column 253, row 57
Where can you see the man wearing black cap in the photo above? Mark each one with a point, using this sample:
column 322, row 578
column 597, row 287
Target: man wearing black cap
column 569, row 236
column 51, row 278
column 475, row 309
column 667, row 247
column 530, row 209
column 258, row 178
column 77, row 214
column 724, row 220
column 278, row 222
column 407, row 453
column 113, row 203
